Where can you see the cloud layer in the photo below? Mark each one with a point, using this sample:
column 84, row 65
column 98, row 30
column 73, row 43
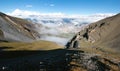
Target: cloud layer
column 63, row 23
column 26, row 14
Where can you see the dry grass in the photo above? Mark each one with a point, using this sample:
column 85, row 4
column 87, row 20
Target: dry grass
column 37, row 45
column 103, row 52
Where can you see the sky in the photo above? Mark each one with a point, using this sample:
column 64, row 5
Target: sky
column 62, row 6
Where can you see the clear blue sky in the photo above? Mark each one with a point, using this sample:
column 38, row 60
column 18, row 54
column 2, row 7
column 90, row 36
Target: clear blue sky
column 64, row 6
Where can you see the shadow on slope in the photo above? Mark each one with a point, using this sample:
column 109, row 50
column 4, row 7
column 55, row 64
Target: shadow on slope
column 35, row 60
column 50, row 60
column 2, row 48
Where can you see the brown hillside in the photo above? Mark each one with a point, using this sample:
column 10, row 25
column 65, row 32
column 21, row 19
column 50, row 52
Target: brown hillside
column 16, row 29
column 101, row 39
column 104, row 33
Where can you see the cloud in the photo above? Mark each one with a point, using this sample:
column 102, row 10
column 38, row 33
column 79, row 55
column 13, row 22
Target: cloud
column 22, row 13
column 28, row 6
column 25, row 13
column 57, row 18
column 51, row 5
column 88, row 18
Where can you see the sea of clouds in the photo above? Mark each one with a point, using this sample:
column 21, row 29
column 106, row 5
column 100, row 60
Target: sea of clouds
column 53, row 24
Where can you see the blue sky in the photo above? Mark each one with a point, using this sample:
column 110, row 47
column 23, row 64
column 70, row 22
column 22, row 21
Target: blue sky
column 63, row 6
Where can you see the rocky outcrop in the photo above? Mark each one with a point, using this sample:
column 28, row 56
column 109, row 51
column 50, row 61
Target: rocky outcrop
column 74, row 42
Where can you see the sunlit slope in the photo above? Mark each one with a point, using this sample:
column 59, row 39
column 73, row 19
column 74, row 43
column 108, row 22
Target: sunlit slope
column 16, row 29
column 104, row 33
column 38, row 45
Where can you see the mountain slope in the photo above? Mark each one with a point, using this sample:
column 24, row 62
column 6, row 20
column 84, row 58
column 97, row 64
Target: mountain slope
column 104, row 33
column 16, row 29
column 101, row 41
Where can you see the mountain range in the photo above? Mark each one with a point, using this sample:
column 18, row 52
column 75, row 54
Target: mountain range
column 94, row 47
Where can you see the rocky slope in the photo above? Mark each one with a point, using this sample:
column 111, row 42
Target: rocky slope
column 105, row 32
column 102, row 33
column 100, row 43
column 16, row 29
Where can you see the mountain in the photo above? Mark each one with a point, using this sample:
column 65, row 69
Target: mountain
column 95, row 50
column 16, row 29
column 106, row 32
column 100, row 43
column 102, row 33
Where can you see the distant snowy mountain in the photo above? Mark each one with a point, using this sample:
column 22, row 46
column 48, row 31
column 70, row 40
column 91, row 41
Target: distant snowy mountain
column 58, row 19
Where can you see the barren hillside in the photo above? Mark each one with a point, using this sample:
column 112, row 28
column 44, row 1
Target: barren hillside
column 16, row 29
column 101, row 41
column 104, row 33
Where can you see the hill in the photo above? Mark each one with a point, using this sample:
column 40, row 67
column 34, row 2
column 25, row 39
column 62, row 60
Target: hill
column 104, row 33
column 100, row 40
column 16, row 29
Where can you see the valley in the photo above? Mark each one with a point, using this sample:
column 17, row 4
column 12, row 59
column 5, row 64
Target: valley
column 27, row 46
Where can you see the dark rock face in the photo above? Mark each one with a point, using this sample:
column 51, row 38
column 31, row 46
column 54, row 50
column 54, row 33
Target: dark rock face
column 85, row 35
column 74, row 42
column 75, row 45
column 68, row 45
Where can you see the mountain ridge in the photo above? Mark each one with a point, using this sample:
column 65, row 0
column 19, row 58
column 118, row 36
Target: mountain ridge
column 101, row 39
column 15, row 29
column 108, row 32
column 103, row 33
